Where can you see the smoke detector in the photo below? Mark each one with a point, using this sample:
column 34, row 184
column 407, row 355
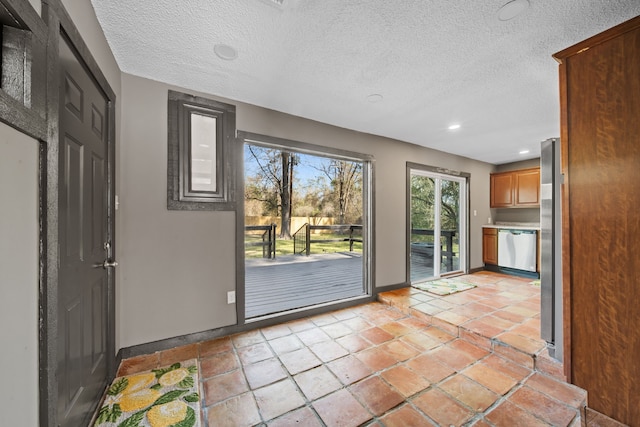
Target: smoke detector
column 226, row 52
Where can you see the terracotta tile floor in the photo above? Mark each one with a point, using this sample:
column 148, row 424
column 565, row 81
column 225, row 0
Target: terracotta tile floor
column 415, row 359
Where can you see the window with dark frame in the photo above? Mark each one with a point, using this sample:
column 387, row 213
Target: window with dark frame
column 201, row 153
column 23, row 41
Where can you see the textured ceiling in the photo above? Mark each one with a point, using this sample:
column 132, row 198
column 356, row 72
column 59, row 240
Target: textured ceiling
column 435, row 62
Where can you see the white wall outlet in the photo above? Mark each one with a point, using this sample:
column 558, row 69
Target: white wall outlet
column 475, row 212
column 231, row 297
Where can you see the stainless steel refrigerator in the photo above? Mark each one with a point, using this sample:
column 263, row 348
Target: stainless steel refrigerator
column 551, row 247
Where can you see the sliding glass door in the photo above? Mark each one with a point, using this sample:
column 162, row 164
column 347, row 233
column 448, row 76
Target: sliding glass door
column 437, row 225
column 306, row 226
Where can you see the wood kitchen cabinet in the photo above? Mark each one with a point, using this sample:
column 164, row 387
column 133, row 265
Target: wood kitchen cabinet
column 502, row 190
column 600, row 135
column 490, row 245
column 516, row 189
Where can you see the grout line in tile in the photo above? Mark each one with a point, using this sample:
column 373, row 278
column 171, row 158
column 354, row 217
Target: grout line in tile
column 388, row 312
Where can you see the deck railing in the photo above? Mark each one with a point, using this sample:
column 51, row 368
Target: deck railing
column 268, row 239
column 302, row 238
column 427, row 248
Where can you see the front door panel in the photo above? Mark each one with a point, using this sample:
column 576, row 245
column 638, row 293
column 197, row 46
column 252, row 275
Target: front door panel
column 83, row 294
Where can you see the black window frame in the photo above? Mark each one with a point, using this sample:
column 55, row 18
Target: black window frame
column 180, row 194
column 23, row 37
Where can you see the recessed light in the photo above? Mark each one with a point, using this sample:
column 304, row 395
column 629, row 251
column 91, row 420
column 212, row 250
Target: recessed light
column 226, row 52
column 512, row 9
column 524, row 152
column 454, row 126
column 375, row 97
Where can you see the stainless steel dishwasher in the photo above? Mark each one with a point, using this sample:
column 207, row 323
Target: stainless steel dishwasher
column 517, row 249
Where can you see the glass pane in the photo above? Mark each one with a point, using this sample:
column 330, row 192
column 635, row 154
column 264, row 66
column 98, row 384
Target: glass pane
column 450, row 225
column 304, row 230
column 203, row 153
column 423, row 192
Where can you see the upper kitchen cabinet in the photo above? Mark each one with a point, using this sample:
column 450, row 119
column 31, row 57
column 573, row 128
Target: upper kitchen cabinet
column 527, row 188
column 516, row 189
column 502, row 190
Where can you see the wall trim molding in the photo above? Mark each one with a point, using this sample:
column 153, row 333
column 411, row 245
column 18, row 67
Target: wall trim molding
column 193, row 338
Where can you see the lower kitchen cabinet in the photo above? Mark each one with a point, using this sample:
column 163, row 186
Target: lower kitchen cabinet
column 490, row 246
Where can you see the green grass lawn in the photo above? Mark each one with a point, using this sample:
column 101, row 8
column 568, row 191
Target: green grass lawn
column 285, row 247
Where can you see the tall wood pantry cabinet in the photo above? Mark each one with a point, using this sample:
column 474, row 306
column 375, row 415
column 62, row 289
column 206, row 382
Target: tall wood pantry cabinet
column 600, row 134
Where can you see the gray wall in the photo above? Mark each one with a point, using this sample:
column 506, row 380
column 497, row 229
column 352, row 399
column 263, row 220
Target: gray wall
column 37, row 5
column 176, row 267
column 524, row 164
column 18, row 278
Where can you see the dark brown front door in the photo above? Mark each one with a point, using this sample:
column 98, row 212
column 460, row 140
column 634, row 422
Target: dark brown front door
column 84, row 346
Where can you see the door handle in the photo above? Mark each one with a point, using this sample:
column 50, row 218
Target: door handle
column 106, row 264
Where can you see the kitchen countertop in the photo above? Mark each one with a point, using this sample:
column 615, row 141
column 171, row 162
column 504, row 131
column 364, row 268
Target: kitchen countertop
column 514, row 225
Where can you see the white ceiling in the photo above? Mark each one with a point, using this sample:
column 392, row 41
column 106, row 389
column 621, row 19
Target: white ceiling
column 435, row 62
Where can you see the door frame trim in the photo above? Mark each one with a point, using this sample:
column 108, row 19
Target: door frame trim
column 59, row 25
column 28, row 117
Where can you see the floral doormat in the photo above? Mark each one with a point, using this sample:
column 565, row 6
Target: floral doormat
column 444, row 286
column 165, row 397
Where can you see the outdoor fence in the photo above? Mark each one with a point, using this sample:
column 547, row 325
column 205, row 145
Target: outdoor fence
column 302, row 238
column 296, row 221
column 266, row 239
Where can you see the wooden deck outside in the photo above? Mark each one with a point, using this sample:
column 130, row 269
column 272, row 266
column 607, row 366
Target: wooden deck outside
column 295, row 281
column 421, row 266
